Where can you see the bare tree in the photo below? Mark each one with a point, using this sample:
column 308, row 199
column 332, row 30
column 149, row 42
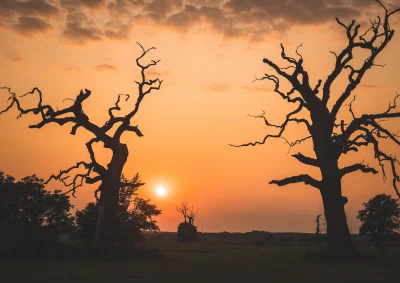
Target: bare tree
column 187, row 212
column 109, row 178
column 183, row 209
column 192, row 215
column 332, row 139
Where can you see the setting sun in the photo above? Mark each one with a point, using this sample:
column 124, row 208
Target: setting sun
column 161, row 191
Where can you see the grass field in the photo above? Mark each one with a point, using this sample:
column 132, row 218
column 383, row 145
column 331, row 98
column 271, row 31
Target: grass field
column 210, row 262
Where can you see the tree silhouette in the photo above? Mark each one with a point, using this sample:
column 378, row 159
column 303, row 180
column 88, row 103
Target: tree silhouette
column 188, row 213
column 109, row 177
column 135, row 215
column 332, row 139
column 31, row 217
column 187, row 232
column 380, row 218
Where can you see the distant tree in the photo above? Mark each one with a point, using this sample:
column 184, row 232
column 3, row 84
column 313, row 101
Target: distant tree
column 183, row 209
column 187, row 212
column 30, row 216
column 380, row 218
column 134, row 215
column 187, row 232
column 109, row 135
column 317, row 109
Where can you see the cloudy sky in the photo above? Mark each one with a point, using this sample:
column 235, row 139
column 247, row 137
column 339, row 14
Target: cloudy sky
column 210, row 53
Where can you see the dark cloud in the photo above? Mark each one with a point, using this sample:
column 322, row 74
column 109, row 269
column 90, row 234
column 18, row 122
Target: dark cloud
column 113, row 19
column 30, row 25
column 114, row 29
column 124, row 7
column 80, row 30
column 105, row 67
column 73, row 4
column 27, row 8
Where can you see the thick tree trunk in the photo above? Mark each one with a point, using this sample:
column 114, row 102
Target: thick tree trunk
column 340, row 244
column 108, row 203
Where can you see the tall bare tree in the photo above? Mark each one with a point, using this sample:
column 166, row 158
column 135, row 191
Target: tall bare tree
column 332, row 139
column 109, row 178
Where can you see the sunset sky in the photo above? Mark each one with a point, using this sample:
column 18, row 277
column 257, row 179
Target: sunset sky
column 210, row 53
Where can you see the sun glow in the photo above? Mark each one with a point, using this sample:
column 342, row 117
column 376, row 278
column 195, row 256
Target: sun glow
column 161, row 191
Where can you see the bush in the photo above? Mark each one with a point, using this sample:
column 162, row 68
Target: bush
column 187, row 232
column 134, row 215
column 30, row 216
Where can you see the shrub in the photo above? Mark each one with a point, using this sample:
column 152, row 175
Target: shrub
column 187, row 232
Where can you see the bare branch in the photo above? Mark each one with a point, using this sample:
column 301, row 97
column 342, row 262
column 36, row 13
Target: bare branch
column 357, row 167
column 306, row 160
column 304, row 178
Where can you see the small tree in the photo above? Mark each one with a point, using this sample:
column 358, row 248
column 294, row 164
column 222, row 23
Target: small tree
column 187, row 232
column 30, row 216
column 380, row 218
column 134, row 215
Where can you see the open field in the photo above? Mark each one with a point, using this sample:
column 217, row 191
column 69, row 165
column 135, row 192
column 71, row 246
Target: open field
column 211, row 261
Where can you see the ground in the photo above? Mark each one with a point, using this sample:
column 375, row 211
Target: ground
column 210, row 262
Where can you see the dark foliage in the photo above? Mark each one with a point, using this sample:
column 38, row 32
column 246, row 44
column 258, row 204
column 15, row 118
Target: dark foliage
column 380, row 218
column 30, row 216
column 134, row 215
column 187, row 232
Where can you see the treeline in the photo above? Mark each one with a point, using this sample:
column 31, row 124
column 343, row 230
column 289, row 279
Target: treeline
column 32, row 218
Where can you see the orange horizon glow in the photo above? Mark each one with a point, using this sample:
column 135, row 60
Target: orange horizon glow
column 202, row 107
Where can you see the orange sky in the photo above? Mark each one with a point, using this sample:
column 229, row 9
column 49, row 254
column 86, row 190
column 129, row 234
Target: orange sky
column 210, row 52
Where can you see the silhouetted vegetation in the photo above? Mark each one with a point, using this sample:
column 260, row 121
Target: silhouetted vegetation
column 134, row 215
column 187, row 232
column 380, row 219
column 316, row 108
column 109, row 135
column 32, row 220
column 30, row 216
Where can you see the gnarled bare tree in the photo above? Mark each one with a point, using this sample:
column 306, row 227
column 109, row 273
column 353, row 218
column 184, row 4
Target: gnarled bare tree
column 109, row 178
column 332, row 139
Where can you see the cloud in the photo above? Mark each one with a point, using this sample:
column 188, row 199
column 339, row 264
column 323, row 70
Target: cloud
column 216, row 87
column 252, row 19
column 28, row 8
column 72, row 4
column 72, row 69
column 258, row 88
column 155, row 74
column 17, row 59
column 30, row 25
column 114, row 29
column 105, row 67
column 80, row 30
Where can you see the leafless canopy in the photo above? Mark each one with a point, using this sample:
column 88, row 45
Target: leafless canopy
column 364, row 130
column 75, row 116
column 187, row 212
